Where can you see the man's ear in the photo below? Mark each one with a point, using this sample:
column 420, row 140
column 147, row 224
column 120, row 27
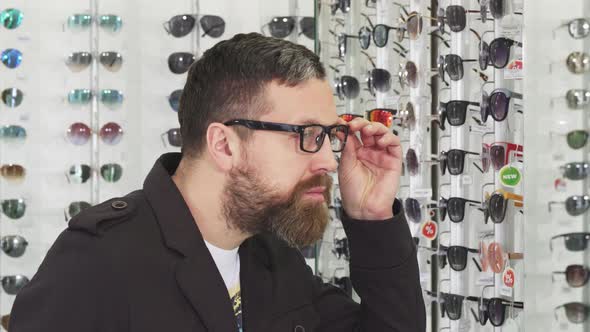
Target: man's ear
column 223, row 146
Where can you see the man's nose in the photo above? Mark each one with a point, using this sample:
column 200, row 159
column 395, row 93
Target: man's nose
column 325, row 159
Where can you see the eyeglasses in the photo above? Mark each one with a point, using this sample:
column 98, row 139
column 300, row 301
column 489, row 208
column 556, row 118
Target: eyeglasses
column 455, row 16
column 13, row 284
column 311, row 137
column 78, row 61
column 12, row 97
column 452, row 64
column 111, row 23
column 576, row 139
column 578, row 62
column 13, row 245
column 13, row 132
column 575, row 275
column 455, row 111
column 384, row 116
column 347, row 87
column 379, row 80
column 454, row 160
column 497, row 53
column 455, row 206
column 577, row 98
column 80, row 173
column 381, row 34
column 408, row 75
column 283, row 26
column 573, row 241
column 13, row 172
column 180, row 62
column 494, row 309
column 181, row 25
column 413, row 210
column 79, row 133
column 11, row 18
column 173, row 136
column 11, row 58
column 496, row 104
column 578, row 28
column 574, row 205
column 496, row 204
column 575, row 170
column 576, row 312
column 499, row 154
column 14, row 208
column 74, row 208
column 108, row 97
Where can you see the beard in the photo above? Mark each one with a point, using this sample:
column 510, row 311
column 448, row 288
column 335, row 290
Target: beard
column 253, row 207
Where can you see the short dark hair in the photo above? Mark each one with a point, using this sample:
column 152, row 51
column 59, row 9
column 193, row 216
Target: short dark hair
column 227, row 82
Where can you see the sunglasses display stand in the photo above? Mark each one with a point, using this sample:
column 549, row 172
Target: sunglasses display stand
column 547, row 80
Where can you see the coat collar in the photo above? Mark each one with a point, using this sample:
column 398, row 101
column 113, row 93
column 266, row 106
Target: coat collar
column 196, row 273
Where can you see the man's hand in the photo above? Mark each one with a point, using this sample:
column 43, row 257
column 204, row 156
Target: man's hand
column 370, row 171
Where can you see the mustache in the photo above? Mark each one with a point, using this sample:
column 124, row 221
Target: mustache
column 323, row 180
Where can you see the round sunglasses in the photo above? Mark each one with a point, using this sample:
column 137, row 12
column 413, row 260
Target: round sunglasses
column 576, row 275
column 78, row 61
column 11, row 58
column 12, row 97
column 81, row 173
column 11, row 18
column 79, row 133
column 181, row 25
column 78, row 22
column 13, row 284
column 172, row 137
column 13, row 245
column 180, row 62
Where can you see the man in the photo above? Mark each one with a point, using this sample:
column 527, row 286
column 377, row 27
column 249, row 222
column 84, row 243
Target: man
column 209, row 243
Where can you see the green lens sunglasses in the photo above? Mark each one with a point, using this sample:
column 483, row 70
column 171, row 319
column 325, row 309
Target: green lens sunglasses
column 108, row 97
column 111, row 23
column 11, row 18
column 14, row 208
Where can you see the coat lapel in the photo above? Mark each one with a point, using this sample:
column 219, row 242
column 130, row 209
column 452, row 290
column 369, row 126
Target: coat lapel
column 256, row 286
column 196, row 273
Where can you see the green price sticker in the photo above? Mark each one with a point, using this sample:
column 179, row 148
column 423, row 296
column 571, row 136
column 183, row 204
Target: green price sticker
column 510, row 176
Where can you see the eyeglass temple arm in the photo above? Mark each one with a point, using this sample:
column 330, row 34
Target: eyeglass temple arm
column 370, row 59
column 368, row 20
column 166, row 26
column 553, row 203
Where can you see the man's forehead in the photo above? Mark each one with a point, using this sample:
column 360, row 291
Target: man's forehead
column 310, row 102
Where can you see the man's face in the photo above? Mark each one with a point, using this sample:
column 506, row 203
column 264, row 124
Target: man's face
column 278, row 187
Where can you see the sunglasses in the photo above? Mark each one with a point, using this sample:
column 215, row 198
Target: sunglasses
column 574, row 205
column 11, row 18
column 173, row 137
column 378, row 80
column 496, row 204
column 576, row 312
column 347, row 87
column 576, row 139
column 13, row 245
column 455, row 112
column 575, row 170
column 496, row 104
column 457, row 256
column 577, row 98
column 408, row 75
column 80, row 173
column 455, row 207
column 413, row 210
column 578, row 28
column 78, row 61
column 181, row 25
column 494, row 309
column 4, row 321
column 13, row 284
column 408, row 116
column 311, row 137
column 180, row 62
column 497, row 53
column 413, row 163
column 11, row 58
column 455, row 16
column 452, row 64
column 380, row 35
column 283, row 26
column 349, row 116
column 454, row 160
column 499, row 154
column 108, row 97
column 572, row 241
column 384, row 116
column 111, row 23
column 74, row 208
column 12, row 97
column 578, row 62
column 343, row 5
column 13, row 172
column 174, row 99
column 79, row 133
column 575, row 275
column 13, row 132
column 14, row 208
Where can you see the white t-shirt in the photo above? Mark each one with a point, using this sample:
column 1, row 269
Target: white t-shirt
column 228, row 264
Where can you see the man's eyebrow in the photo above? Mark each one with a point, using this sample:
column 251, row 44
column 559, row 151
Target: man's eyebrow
column 315, row 122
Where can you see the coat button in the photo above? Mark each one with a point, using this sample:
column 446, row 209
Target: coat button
column 299, row 328
column 119, row 205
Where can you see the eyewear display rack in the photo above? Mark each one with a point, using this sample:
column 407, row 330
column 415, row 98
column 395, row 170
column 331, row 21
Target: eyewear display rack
column 556, row 235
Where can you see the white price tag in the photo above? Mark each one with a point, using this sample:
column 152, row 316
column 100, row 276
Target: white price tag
column 485, row 278
column 466, row 180
column 422, row 193
column 505, row 291
column 24, row 38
